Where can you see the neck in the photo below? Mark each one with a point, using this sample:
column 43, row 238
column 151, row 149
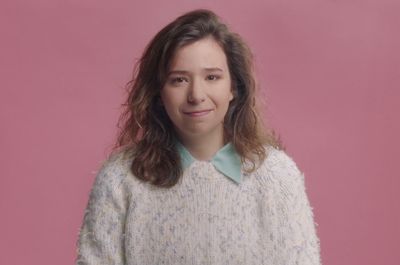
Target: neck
column 203, row 148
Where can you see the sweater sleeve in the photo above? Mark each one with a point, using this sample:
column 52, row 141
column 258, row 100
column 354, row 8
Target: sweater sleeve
column 101, row 235
column 302, row 238
column 300, row 243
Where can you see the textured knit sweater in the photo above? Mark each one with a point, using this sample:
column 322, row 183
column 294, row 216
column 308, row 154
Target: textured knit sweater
column 206, row 218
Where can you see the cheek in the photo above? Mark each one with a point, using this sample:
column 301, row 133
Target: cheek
column 165, row 97
column 226, row 98
column 170, row 102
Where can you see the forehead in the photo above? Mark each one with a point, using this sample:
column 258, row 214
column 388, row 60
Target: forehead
column 204, row 53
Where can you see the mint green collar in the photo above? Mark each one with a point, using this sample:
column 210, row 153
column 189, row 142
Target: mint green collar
column 226, row 160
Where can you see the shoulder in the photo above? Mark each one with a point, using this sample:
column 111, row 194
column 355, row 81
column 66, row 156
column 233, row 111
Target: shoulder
column 279, row 168
column 280, row 161
column 112, row 171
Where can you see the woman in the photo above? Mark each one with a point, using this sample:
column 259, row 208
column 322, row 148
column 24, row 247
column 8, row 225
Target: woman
column 194, row 177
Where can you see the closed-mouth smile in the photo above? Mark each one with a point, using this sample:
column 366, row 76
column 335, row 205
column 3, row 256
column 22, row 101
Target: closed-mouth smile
column 198, row 113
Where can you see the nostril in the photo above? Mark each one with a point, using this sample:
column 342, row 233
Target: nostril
column 192, row 99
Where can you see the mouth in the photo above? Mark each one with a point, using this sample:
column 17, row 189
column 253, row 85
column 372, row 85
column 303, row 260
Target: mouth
column 198, row 113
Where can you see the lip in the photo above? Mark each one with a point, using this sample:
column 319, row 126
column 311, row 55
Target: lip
column 198, row 113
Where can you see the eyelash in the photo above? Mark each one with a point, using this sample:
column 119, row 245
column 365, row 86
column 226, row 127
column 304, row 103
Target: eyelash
column 175, row 80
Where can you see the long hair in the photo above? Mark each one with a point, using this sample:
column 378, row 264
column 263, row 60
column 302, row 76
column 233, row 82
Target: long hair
column 146, row 131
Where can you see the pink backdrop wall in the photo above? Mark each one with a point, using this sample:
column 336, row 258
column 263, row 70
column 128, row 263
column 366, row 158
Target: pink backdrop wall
column 330, row 70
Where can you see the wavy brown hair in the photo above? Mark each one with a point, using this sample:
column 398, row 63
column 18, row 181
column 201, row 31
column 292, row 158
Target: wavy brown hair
column 147, row 133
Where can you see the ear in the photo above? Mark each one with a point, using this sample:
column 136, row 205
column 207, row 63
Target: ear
column 231, row 94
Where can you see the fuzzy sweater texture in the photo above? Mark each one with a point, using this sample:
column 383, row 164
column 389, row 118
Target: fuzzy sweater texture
column 204, row 219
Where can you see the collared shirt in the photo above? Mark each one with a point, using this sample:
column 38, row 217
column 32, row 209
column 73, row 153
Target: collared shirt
column 226, row 160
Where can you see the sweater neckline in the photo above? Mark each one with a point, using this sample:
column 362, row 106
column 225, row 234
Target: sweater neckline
column 226, row 160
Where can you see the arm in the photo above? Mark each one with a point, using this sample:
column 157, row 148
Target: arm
column 101, row 236
column 303, row 244
column 297, row 240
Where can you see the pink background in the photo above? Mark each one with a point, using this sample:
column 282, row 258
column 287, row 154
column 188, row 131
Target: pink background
column 330, row 70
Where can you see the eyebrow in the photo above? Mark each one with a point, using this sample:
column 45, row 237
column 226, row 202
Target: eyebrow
column 207, row 69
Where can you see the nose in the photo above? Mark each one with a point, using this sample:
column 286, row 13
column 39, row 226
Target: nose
column 196, row 93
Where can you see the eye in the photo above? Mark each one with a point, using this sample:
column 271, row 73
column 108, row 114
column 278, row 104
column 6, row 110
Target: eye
column 177, row 80
column 213, row 77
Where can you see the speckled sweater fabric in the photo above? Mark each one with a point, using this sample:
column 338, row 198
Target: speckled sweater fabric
column 205, row 219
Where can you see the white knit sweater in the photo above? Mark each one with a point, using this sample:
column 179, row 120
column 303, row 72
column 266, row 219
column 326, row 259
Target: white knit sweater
column 204, row 219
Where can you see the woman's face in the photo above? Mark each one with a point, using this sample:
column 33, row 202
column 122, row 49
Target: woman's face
column 197, row 90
